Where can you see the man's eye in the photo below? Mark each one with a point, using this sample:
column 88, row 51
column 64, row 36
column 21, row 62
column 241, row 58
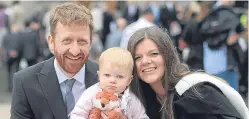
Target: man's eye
column 66, row 41
column 82, row 41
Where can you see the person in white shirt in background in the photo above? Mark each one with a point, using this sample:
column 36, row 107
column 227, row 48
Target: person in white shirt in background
column 146, row 20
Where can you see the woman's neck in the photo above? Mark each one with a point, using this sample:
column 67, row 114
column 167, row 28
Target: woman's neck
column 158, row 88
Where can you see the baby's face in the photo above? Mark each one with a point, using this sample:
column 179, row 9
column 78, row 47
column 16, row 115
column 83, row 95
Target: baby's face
column 114, row 79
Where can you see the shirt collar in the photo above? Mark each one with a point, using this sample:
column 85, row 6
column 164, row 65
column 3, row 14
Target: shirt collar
column 79, row 76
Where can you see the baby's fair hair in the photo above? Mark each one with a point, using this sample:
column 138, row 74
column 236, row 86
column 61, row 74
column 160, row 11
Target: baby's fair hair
column 119, row 57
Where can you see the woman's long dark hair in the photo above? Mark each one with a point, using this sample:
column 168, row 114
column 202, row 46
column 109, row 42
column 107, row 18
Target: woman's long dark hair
column 174, row 70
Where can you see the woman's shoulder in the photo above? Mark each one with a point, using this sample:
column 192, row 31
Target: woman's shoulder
column 205, row 98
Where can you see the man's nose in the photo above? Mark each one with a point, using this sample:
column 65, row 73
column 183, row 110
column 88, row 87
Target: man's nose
column 75, row 49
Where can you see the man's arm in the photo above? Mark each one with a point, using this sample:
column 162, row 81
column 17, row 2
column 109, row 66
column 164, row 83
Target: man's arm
column 20, row 108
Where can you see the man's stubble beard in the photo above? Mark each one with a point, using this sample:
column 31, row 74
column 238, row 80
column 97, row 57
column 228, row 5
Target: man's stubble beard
column 60, row 60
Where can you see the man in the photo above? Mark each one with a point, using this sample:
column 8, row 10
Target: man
column 12, row 52
column 50, row 89
column 113, row 38
column 221, row 30
column 32, row 42
column 146, row 20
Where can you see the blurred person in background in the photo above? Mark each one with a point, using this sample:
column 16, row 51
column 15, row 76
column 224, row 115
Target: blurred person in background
column 113, row 38
column 167, row 14
column 16, row 14
column 243, row 41
column 146, row 20
column 31, row 41
column 12, row 49
column 108, row 17
column 155, row 8
column 97, row 11
column 190, row 42
column 4, row 27
column 96, row 47
column 131, row 12
column 220, row 31
column 169, row 19
column 45, row 22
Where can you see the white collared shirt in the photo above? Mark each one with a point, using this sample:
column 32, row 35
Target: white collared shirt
column 132, row 28
column 79, row 85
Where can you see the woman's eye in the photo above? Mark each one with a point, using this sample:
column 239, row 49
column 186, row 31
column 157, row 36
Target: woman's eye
column 154, row 54
column 137, row 58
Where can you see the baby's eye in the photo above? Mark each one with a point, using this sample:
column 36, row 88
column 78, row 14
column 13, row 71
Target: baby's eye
column 107, row 75
column 120, row 77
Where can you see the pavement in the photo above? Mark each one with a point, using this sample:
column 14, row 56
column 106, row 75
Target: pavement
column 5, row 96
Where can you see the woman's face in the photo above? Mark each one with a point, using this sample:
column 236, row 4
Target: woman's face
column 149, row 62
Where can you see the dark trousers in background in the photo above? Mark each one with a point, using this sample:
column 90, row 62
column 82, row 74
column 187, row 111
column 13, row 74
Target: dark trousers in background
column 12, row 67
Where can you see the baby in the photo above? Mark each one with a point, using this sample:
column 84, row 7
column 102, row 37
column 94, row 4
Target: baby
column 115, row 75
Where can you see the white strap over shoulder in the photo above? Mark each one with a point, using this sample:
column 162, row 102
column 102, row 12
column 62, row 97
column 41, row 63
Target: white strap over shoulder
column 232, row 95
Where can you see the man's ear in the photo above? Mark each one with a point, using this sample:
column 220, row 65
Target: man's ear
column 51, row 43
column 91, row 38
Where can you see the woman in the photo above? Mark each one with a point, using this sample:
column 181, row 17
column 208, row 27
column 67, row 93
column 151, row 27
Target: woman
column 157, row 72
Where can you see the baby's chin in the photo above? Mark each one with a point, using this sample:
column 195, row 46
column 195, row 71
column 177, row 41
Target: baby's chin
column 109, row 90
column 114, row 91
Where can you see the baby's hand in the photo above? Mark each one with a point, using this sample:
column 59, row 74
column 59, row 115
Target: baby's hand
column 114, row 114
column 95, row 113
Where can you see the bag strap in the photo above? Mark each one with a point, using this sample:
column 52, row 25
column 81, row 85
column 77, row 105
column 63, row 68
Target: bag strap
column 232, row 95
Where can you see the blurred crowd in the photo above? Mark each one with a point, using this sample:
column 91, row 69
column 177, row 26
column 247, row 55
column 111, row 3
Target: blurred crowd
column 199, row 29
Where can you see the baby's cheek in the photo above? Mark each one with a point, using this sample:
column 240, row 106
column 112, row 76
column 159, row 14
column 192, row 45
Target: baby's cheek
column 102, row 84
